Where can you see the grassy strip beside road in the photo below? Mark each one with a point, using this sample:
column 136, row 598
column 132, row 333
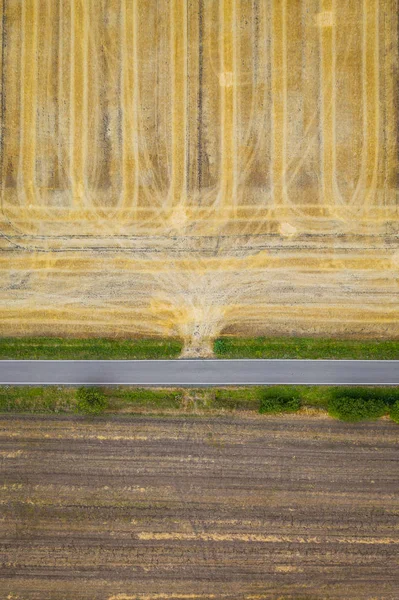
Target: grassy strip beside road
column 85, row 349
column 310, row 348
column 348, row 404
column 56, row 399
column 52, row 348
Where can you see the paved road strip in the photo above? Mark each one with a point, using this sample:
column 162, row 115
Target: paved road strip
column 198, row 373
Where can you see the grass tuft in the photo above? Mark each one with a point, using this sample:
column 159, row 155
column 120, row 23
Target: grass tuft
column 90, row 401
column 280, row 403
column 356, row 408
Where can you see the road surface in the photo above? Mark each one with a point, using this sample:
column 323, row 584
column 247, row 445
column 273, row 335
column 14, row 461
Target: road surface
column 198, row 372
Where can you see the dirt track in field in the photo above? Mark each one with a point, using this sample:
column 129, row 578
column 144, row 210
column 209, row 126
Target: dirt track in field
column 195, row 508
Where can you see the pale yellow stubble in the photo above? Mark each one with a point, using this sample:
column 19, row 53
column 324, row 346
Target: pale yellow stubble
column 64, row 97
column 79, row 99
column 327, row 27
column 228, row 104
column 279, row 99
column 179, row 49
column 365, row 189
column 1, row 96
column 113, row 96
column 390, row 58
column 130, row 107
column 371, row 102
column 27, row 159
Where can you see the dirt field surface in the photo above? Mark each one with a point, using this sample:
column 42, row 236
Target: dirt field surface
column 175, row 167
column 197, row 509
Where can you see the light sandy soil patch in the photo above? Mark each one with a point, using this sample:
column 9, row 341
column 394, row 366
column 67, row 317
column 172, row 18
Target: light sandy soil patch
column 188, row 168
column 198, row 508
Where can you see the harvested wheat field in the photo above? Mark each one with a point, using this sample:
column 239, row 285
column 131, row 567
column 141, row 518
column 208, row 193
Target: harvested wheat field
column 191, row 168
column 192, row 508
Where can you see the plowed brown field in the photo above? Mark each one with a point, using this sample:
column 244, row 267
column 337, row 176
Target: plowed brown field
column 191, row 167
column 198, row 509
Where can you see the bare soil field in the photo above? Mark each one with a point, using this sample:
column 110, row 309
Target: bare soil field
column 198, row 508
column 195, row 168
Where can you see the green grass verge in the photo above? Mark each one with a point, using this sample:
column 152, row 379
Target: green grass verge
column 52, row 399
column 355, row 408
column 40, row 400
column 361, row 405
column 314, row 348
column 122, row 398
column 279, row 401
column 96, row 348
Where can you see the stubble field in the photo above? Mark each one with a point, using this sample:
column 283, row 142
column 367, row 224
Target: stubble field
column 186, row 508
column 191, row 168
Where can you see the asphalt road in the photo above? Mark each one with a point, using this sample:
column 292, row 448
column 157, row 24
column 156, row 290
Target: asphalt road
column 198, row 372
